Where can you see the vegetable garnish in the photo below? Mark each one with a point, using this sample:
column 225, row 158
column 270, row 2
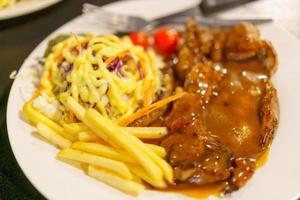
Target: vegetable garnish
column 88, row 83
column 110, row 74
column 115, row 66
column 148, row 109
column 165, row 40
column 139, row 38
column 36, row 93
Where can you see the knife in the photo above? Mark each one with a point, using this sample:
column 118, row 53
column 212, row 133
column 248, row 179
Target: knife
column 211, row 6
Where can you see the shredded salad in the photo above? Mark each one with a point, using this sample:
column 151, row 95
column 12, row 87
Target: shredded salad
column 91, row 89
column 107, row 73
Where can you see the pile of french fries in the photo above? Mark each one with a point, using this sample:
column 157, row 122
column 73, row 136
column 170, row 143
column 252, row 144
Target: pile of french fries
column 106, row 151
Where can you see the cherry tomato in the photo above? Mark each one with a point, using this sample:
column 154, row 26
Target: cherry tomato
column 165, row 40
column 139, row 38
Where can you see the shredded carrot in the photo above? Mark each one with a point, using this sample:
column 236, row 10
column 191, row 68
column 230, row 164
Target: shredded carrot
column 121, row 54
column 59, row 58
column 148, row 109
column 37, row 93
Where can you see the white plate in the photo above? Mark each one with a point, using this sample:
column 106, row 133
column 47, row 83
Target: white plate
column 278, row 179
column 25, row 7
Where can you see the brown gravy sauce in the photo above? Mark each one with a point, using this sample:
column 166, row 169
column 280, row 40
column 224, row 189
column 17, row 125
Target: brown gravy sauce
column 246, row 113
column 197, row 192
column 204, row 192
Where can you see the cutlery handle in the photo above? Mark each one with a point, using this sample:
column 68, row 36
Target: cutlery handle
column 211, row 6
column 209, row 21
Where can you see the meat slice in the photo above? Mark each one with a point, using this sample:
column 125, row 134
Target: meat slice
column 219, row 138
column 197, row 44
column 243, row 42
column 198, row 158
column 244, row 166
column 269, row 115
column 228, row 117
column 203, row 79
column 196, row 155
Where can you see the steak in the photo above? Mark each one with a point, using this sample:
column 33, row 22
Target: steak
column 227, row 119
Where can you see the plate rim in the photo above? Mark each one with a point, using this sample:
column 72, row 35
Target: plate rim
column 12, row 12
column 22, row 67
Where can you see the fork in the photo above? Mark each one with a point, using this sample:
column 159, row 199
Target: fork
column 130, row 23
column 125, row 23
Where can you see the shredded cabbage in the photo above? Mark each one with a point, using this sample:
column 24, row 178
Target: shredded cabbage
column 107, row 73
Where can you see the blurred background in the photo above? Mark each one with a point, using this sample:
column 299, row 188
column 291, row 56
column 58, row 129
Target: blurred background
column 19, row 36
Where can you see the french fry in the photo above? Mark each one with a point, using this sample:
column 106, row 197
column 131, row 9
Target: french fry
column 84, row 167
column 74, row 128
column 79, row 111
column 140, row 132
column 128, row 186
column 165, row 167
column 73, row 163
column 35, row 117
column 160, row 151
column 117, row 134
column 137, row 179
column 112, row 132
column 87, row 136
column 139, row 172
column 113, row 165
column 75, row 107
column 147, row 132
column 109, row 131
column 102, row 150
column 52, row 136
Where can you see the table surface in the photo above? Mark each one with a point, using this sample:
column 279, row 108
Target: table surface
column 18, row 37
